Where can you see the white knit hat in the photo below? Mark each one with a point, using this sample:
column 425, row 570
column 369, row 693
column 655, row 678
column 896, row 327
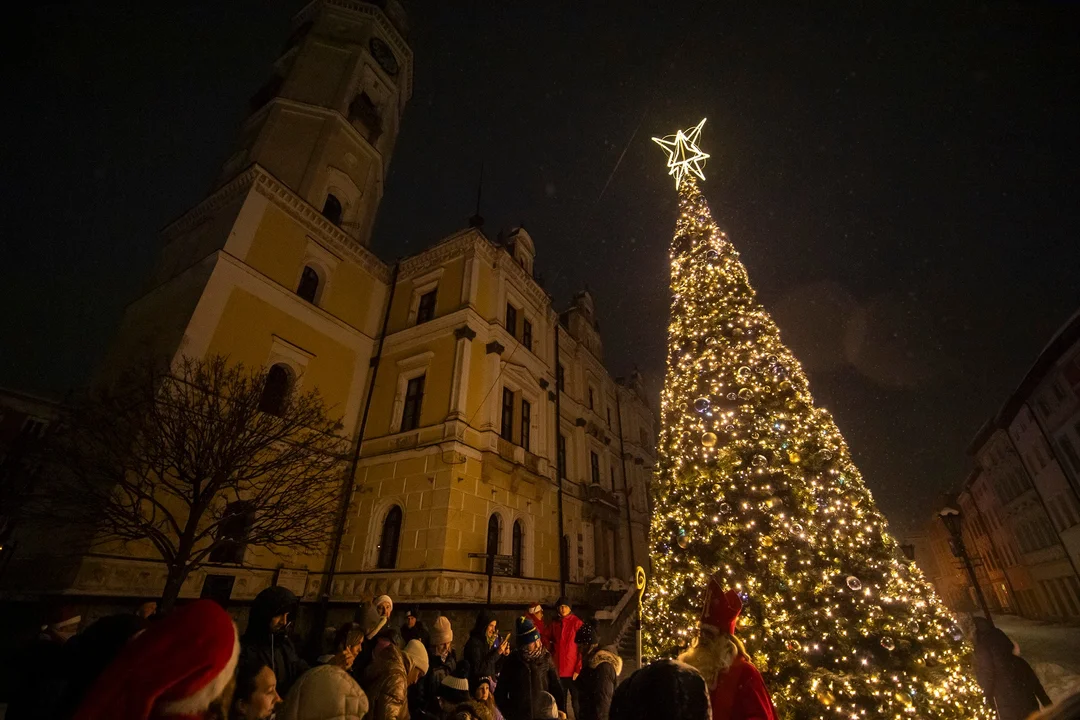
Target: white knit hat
column 415, row 651
column 546, row 706
column 441, row 632
column 384, row 599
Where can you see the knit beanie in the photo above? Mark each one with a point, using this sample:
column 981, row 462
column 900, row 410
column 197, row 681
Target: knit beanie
column 441, row 632
column 384, row 599
column 454, row 689
column 546, row 707
column 526, row 631
column 417, row 653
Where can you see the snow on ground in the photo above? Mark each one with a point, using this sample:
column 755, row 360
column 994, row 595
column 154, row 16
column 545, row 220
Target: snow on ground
column 1052, row 650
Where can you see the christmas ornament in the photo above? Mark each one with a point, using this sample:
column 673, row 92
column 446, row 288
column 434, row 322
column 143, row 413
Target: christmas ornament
column 854, row 583
column 709, row 440
column 702, row 404
column 887, row 643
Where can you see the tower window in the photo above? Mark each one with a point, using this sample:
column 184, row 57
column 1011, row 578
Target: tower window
column 275, row 393
column 518, row 541
column 232, row 532
column 526, row 421
column 507, row 429
column 332, row 209
column 414, row 397
column 511, row 319
column 364, row 111
column 526, row 334
column 308, row 288
column 388, row 542
column 425, row 311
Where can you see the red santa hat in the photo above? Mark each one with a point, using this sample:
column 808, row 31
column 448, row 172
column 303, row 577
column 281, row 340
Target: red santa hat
column 722, row 607
column 175, row 669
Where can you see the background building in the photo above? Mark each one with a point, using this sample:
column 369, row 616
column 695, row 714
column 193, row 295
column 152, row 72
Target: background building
column 1021, row 508
column 489, row 424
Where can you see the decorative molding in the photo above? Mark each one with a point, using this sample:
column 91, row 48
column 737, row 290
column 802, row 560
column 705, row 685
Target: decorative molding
column 495, row 347
column 215, row 201
column 446, row 249
column 464, row 332
column 442, row 586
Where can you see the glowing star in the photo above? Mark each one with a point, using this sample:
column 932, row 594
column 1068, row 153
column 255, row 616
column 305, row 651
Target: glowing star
column 683, row 153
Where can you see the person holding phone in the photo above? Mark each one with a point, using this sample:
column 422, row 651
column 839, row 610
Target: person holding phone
column 485, row 649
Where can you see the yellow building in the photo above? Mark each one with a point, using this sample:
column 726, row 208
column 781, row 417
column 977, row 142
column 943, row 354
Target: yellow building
column 460, row 345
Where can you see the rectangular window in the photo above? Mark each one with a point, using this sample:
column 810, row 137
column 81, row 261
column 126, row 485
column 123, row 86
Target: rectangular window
column 507, row 431
column 425, row 311
column 511, row 319
column 561, row 454
column 414, row 397
column 594, row 462
column 526, row 422
column 591, row 399
column 526, row 334
column 560, row 378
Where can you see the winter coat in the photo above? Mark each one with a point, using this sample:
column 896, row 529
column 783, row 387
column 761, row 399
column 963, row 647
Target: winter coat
column 521, row 682
column 324, row 693
column 543, row 628
column 416, row 632
column 386, row 683
column 424, row 694
column 484, row 660
column 1008, row 681
column 472, row 710
column 276, row 650
column 564, row 648
column 597, row 682
column 740, row 694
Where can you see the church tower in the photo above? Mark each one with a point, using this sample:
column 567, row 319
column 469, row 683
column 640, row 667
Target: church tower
column 326, row 120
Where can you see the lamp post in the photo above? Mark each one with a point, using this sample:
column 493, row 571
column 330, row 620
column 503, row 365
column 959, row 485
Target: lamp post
column 951, row 518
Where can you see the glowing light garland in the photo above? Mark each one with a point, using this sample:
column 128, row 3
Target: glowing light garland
column 684, row 156
column 755, row 481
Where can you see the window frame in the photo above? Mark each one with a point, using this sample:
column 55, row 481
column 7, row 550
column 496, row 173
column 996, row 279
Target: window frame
column 506, row 417
column 387, row 558
column 411, row 420
column 510, row 319
column 330, row 196
column 277, row 403
column 594, row 467
column 526, row 333
column 425, row 309
column 309, row 271
column 517, row 545
column 560, row 457
column 526, row 423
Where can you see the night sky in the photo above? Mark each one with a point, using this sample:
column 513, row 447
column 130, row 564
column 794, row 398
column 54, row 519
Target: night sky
column 900, row 180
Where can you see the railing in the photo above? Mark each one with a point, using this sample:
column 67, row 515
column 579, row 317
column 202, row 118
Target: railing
column 613, row 624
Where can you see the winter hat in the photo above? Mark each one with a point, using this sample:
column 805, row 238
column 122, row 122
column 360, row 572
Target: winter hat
column 413, row 612
column 384, row 599
column 526, row 631
column 667, row 689
column 415, row 651
column 371, row 621
column 178, row 667
column 536, row 609
column 454, row 689
column 721, row 608
column 546, row 707
column 441, row 632
column 562, row 601
column 586, row 634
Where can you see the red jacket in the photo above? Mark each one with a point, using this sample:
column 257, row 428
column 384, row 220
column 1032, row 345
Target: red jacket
column 563, row 647
column 544, row 630
column 740, row 694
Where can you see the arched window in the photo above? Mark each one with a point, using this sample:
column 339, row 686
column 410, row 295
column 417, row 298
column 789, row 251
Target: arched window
column 519, row 534
column 494, row 528
column 309, row 284
column 331, row 209
column 275, row 392
column 388, row 543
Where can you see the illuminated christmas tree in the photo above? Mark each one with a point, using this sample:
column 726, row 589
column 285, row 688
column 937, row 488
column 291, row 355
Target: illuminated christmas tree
column 756, row 482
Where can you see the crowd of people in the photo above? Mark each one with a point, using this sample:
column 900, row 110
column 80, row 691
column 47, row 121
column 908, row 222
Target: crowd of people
column 193, row 664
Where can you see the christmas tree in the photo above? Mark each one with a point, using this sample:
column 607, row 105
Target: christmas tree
column 757, row 483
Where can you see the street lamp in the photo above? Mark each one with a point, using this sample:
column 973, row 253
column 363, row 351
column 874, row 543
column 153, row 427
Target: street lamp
column 952, row 519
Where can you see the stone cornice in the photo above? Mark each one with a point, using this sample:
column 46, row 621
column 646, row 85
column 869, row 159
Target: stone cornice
column 446, row 249
column 215, row 201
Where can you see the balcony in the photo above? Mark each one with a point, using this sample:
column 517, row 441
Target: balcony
column 596, row 493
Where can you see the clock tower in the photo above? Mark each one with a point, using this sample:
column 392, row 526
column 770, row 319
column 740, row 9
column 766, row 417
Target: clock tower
column 325, row 122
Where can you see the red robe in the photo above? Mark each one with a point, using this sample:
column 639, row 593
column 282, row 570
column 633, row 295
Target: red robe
column 740, row 694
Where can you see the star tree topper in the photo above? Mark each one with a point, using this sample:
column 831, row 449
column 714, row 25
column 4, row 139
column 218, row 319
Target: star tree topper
column 683, row 153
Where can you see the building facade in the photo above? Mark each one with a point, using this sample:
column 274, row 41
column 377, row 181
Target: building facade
column 1020, row 507
column 487, row 422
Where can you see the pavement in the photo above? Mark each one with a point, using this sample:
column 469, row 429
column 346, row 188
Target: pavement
column 1052, row 650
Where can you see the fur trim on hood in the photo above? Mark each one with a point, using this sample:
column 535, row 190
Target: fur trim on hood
column 607, row 655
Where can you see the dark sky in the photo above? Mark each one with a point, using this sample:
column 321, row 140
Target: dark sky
column 900, row 179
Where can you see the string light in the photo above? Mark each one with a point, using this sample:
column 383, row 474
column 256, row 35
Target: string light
column 755, row 481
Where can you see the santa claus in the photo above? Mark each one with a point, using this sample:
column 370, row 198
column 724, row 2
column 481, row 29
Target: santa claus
column 736, row 689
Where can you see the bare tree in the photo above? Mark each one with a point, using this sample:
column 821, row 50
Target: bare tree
column 200, row 460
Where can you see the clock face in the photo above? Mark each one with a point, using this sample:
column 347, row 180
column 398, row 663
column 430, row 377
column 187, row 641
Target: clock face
column 384, row 56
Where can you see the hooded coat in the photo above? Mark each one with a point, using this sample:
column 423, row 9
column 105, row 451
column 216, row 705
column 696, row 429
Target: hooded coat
column 386, row 682
column 522, row 680
column 324, row 693
column 1007, row 680
column 276, row 650
column 599, row 676
column 484, row 660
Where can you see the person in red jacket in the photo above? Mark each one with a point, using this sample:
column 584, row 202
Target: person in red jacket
column 536, row 614
column 564, row 647
column 736, row 689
